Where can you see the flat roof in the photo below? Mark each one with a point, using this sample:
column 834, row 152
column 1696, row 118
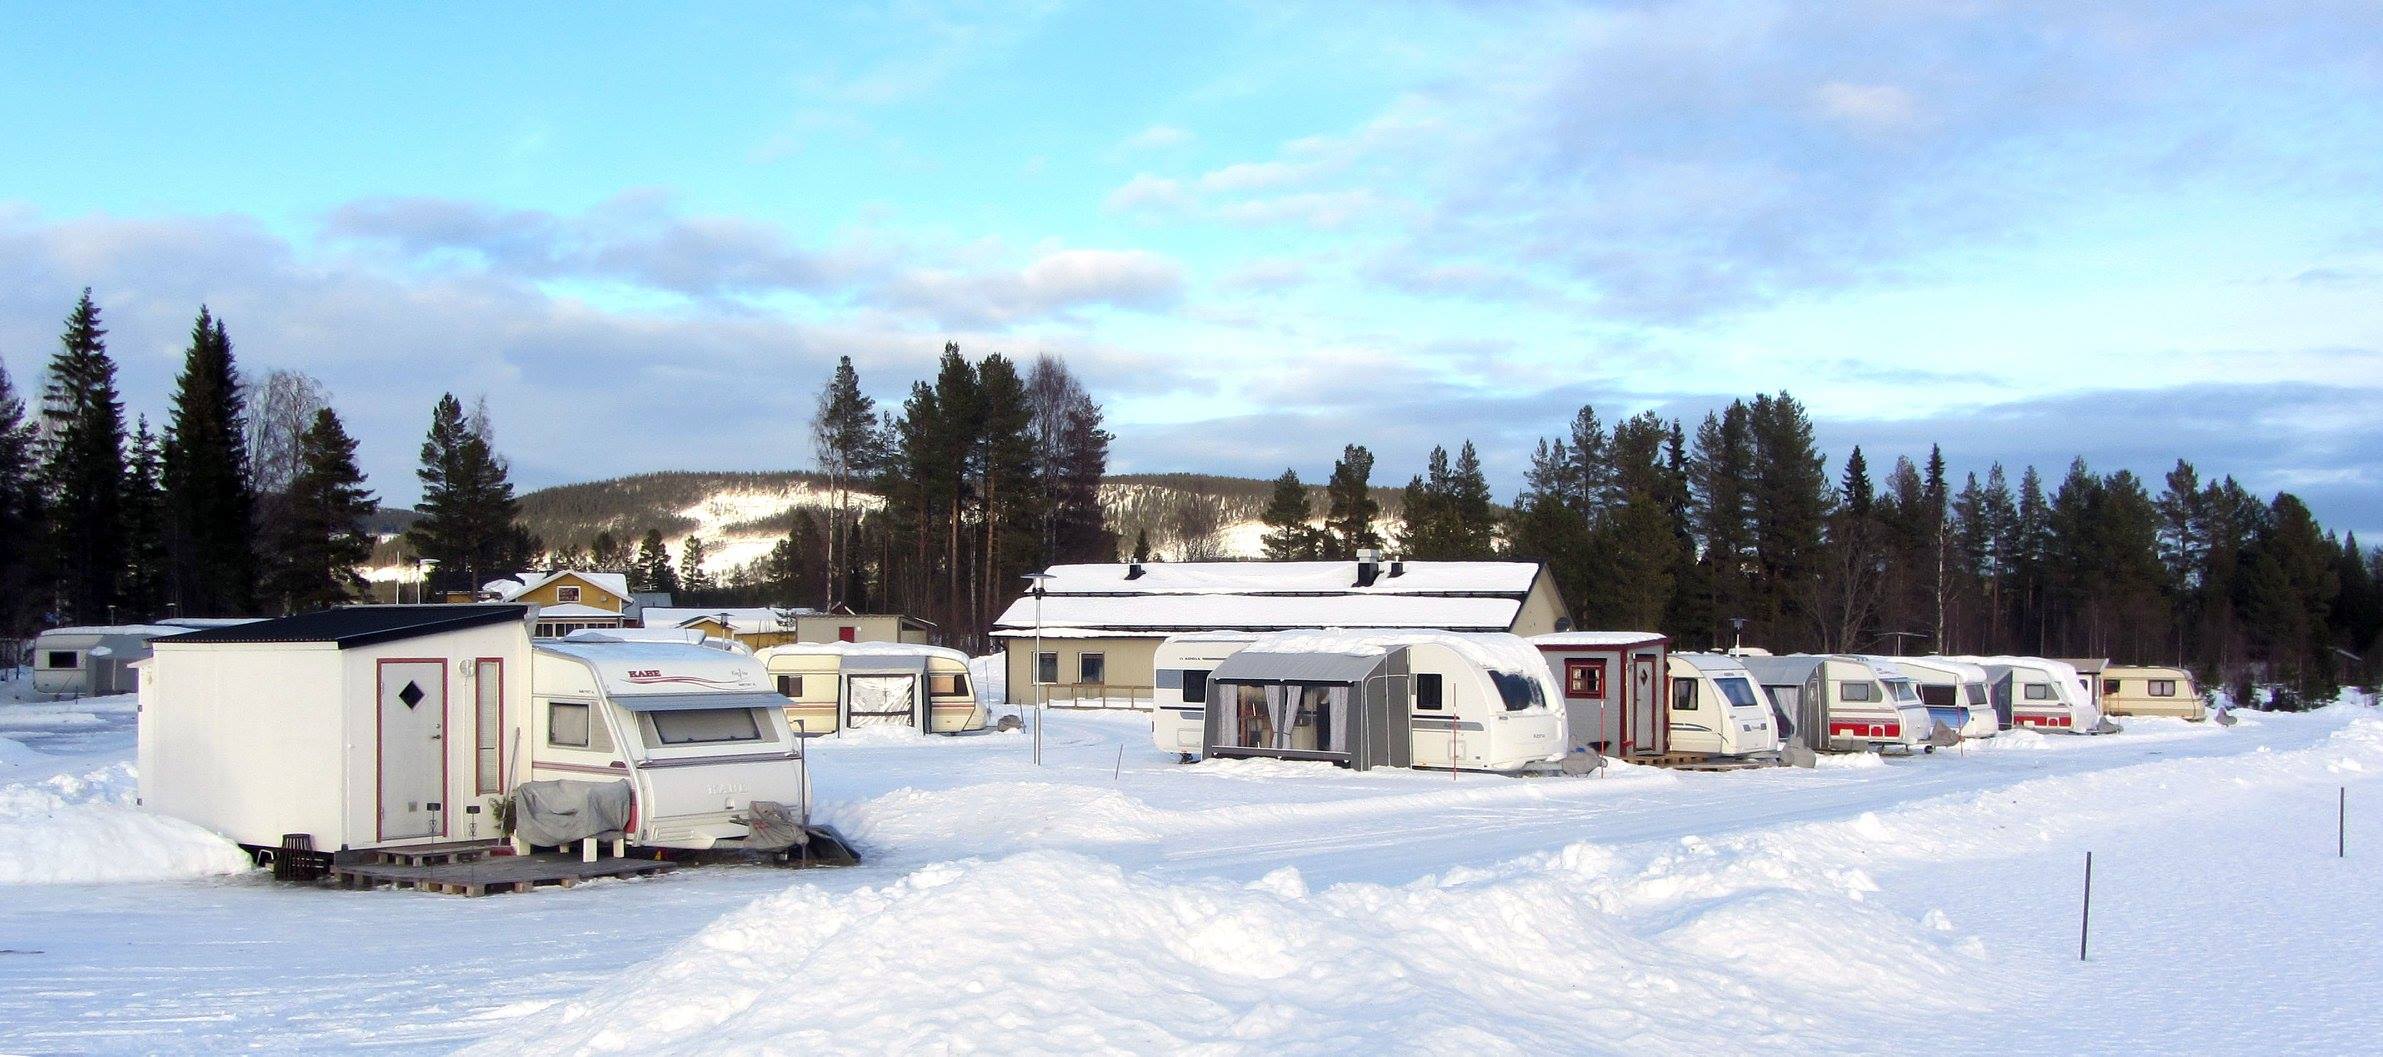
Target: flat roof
column 350, row 626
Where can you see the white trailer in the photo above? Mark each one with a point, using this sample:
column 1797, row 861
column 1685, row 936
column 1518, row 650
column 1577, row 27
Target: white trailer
column 831, row 686
column 2040, row 694
column 93, row 661
column 1958, row 694
column 1843, row 704
column 1179, row 701
column 1717, row 710
column 375, row 727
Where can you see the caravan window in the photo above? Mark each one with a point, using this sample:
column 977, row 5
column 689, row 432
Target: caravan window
column 1518, row 691
column 2163, row 687
column 1938, row 695
column 567, row 724
column 488, row 690
column 2041, row 692
column 946, row 684
column 1195, row 684
column 2110, row 687
column 1739, row 692
column 1683, row 695
column 704, row 726
column 1857, row 691
column 1427, row 691
column 61, row 659
column 1977, row 694
column 790, row 687
column 1902, row 691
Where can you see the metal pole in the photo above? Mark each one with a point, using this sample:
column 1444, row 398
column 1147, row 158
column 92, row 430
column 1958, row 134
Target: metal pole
column 2341, row 825
column 2085, row 920
column 1119, row 772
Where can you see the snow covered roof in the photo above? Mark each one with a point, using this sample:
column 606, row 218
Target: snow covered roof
column 862, row 649
column 686, row 635
column 1597, row 638
column 1205, row 612
column 1092, row 633
column 1333, row 577
column 617, row 584
column 1493, row 650
column 102, row 630
column 744, row 620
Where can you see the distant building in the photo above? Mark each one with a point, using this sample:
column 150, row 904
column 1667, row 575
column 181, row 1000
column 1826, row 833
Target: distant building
column 1101, row 624
column 567, row 600
column 764, row 626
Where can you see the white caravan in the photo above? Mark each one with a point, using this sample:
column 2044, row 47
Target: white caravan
column 2041, row 694
column 1717, row 710
column 2140, row 690
column 1844, row 704
column 1179, row 701
column 1471, row 701
column 1958, row 694
column 830, row 686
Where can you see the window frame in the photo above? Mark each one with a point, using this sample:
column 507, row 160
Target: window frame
column 1588, row 670
column 790, row 686
column 2152, row 687
column 1199, row 676
column 956, row 684
column 488, row 737
column 2027, row 692
column 566, row 594
column 1689, row 686
column 587, row 726
column 1439, row 692
column 1046, row 661
column 1086, row 661
column 1869, row 692
column 654, row 722
column 50, row 657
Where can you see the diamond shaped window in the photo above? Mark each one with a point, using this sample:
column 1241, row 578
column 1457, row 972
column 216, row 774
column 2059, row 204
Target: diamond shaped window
column 412, row 694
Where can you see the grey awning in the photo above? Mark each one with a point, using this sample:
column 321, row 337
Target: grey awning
column 691, row 702
column 1253, row 667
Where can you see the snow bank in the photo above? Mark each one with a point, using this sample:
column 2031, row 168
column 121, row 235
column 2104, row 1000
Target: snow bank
column 1050, row 952
column 82, row 828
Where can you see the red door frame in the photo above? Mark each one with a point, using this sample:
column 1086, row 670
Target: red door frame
column 379, row 758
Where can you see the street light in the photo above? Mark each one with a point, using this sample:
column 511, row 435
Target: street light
column 1737, row 628
column 1034, row 664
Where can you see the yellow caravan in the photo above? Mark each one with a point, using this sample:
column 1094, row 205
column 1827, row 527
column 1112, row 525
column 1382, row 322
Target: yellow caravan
column 2140, row 690
column 834, row 685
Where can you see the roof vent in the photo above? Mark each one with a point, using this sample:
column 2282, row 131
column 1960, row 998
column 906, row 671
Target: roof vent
column 1133, row 570
column 1368, row 566
column 1398, row 565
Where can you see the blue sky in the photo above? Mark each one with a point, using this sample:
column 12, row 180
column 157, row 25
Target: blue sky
column 2129, row 230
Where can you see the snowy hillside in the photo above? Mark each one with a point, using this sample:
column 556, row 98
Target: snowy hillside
column 1116, row 902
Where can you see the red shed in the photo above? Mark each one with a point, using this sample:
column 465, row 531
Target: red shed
column 1613, row 684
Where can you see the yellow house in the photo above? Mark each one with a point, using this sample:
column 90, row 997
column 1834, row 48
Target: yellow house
column 1100, row 625
column 756, row 626
column 567, row 600
column 862, row 627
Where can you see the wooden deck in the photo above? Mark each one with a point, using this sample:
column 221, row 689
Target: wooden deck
column 477, row 872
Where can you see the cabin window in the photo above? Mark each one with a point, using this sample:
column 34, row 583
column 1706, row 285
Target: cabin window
column 1092, row 668
column 845, row 633
column 62, row 659
column 566, row 594
column 1046, row 667
column 704, row 726
column 1584, row 678
column 2163, row 687
column 2109, row 687
column 488, row 689
column 2040, row 692
column 1857, row 691
column 1683, row 695
column 790, row 687
column 946, row 684
column 1195, row 684
column 1427, row 691
column 567, row 724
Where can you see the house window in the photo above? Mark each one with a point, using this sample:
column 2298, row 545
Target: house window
column 488, row 688
column 790, row 686
column 1683, row 695
column 1857, row 691
column 2163, row 687
column 1046, row 667
column 1584, row 678
column 1092, row 668
column 1195, row 684
column 845, row 632
column 566, row 594
column 1427, row 691
column 2109, row 688
column 62, row 659
column 567, row 724
column 946, row 684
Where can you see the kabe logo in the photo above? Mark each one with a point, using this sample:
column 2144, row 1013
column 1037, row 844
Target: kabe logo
column 654, row 677
column 645, row 673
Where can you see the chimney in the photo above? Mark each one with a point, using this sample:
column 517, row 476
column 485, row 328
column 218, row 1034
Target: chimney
column 1133, row 570
column 1368, row 566
column 1398, row 566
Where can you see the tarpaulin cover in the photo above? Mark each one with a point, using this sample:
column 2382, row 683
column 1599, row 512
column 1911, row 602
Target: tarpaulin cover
column 552, row 814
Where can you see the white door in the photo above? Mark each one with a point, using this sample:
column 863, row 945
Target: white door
column 413, row 769
column 881, row 700
column 1645, row 706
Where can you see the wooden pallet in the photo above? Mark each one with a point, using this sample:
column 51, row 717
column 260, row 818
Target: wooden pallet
column 493, row 873
column 1689, row 761
column 429, row 854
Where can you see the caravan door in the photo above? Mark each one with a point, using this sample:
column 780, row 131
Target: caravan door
column 1644, row 707
column 881, row 700
column 413, row 757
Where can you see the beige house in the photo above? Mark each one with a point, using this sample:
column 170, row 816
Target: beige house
column 764, row 626
column 1100, row 625
column 862, row 627
column 567, row 600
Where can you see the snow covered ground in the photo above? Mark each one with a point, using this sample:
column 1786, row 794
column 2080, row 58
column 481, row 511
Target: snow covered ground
column 1115, row 902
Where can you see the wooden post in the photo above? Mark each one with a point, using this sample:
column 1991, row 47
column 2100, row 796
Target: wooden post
column 2085, row 920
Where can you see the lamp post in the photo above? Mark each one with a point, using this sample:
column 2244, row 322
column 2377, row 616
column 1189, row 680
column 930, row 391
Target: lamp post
column 1034, row 664
column 1737, row 633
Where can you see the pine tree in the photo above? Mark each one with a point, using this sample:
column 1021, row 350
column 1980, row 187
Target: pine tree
column 22, row 540
column 1789, row 505
column 1009, row 489
column 691, row 572
column 83, row 469
column 210, row 510
column 323, row 538
column 469, row 516
column 2289, row 596
column 1720, row 469
column 1289, row 538
column 844, row 440
column 653, row 570
column 1850, row 580
column 1350, row 510
column 607, row 554
column 147, row 570
column 1472, row 510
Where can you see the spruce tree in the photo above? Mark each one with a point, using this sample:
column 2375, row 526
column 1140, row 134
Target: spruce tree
column 1141, row 545
column 1720, row 469
column 691, row 572
column 323, row 538
column 1789, row 503
column 469, row 515
column 83, row 470
column 653, row 565
column 147, row 570
column 210, row 510
column 844, row 440
column 1288, row 537
column 607, row 554
column 2289, row 596
column 1350, row 510
column 1473, row 512
column 22, row 539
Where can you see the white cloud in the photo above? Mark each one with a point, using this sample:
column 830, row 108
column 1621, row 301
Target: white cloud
column 1877, row 107
column 1158, row 137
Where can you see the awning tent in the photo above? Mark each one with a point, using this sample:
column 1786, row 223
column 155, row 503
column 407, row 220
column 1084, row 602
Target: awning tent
column 1347, row 708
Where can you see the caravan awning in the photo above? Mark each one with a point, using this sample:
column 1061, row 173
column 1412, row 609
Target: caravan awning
column 691, row 702
column 1250, row 667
